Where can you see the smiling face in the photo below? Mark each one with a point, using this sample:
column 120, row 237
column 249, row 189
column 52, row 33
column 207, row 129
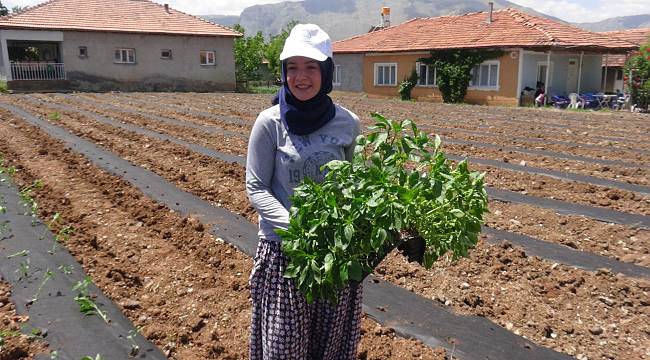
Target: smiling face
column 303, row 77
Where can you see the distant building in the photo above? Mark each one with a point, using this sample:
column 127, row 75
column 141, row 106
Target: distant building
column 565, row 58
column 613, row 77
column 114, row 44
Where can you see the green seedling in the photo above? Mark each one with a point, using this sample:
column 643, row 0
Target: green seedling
column 20, row 253
column 23, row 270
column 62, row 235
column 54, row 116
column 9, row 170
column 86, row 304
column 66, row 269
column 46, row 278
column 50, row 225
column 97, row 357
column 28, row 200
column 5, row 334
column 135, row 349
column 4, row 227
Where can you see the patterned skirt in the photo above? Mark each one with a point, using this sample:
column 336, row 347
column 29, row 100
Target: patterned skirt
column 285, row 326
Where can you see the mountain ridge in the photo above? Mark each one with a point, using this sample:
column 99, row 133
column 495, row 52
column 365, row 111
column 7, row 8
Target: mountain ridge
column 346, row 18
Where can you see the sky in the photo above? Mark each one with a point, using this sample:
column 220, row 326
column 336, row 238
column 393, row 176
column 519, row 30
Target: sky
column 568, row 10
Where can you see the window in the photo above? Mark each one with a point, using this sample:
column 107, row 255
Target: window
column 386, row 74
column 83, row 51
column 542, row 68
column 165, row 54
column 485, row 75
column 426, row 75
column 124, row 56
column 207, row 58
column 619, row 74
column 337, row 75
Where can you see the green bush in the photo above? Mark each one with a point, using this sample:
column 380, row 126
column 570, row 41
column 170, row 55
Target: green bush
column 407, row 85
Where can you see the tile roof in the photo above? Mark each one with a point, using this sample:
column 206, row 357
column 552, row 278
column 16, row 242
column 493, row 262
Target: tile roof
column 509, row 28
column 637, row 36
column 132, row 16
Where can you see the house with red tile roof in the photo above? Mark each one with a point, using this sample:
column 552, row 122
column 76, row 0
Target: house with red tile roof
column 613, row 77
column 564, row 58
column 114, row 44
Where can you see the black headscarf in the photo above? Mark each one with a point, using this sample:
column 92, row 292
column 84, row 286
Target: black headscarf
column 305, row 117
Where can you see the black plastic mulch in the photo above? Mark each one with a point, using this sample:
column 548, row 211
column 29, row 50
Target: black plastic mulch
column 562, row 207
column 29, row 250
column 410, row 314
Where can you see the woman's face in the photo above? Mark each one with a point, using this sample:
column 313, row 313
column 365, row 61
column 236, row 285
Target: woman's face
column 303, row 77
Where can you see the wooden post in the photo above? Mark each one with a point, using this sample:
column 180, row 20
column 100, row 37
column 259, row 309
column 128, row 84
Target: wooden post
column 582, row 53
column 548, row 72
column 605, row 81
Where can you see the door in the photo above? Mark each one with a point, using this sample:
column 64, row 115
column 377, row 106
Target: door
column 572, row 76
column 618, row 81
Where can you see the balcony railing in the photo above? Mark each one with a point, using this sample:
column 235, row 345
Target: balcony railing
column 37, row 71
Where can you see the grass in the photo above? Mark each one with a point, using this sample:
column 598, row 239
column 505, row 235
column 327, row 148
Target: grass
column 263, row 89
column 3, row 87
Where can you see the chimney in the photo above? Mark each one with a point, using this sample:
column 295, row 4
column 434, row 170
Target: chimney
column 491, row 8
column 385, row 16
column 167, row 8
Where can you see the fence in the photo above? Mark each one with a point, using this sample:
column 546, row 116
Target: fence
column 37, row 71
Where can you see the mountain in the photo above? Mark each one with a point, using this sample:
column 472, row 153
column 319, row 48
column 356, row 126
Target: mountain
column 618, row 23
column 225, row 20
column 345, row 18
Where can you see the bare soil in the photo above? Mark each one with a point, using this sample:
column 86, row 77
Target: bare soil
column 137, row 250
column 14, row 344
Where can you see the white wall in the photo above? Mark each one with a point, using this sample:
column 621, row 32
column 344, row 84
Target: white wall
column 183, row 66
column 591, row 71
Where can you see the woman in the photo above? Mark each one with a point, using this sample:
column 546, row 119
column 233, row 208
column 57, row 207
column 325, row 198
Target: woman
column 290, row 141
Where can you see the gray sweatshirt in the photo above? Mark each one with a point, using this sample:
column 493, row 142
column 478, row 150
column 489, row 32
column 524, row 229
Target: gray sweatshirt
column 278, row 161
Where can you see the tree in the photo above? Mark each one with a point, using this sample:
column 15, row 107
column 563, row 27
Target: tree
column 3, row 10
column 249, row 52
column 16, row 9
column 638, row 66
column 453, row 70
column 274, row 48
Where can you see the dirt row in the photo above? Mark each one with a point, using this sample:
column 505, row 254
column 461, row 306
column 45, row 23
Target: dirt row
column 490, row 261
column 185, row 289
column 14, row 344
column 223, row 185
column 631, row 174
column 615, row 124
column 536, row 185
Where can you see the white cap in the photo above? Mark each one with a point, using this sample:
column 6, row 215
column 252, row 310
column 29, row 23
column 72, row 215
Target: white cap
column 307, row 40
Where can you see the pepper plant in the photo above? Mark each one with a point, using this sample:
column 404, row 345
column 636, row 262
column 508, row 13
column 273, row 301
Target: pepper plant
column 398, row 181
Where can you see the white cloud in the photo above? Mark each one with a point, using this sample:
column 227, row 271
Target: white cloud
column 568, row 10
column 587, row 10
column 195, row 7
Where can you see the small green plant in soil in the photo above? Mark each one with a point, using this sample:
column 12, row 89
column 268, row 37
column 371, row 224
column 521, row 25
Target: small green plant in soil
column 23, row 269
column 398, row 182
column 97, row 357
column 6, row 334
column 135, row 349
column 20, row 253
column 9, row 170
column 48, row 275
column 27, row 199
column 86, row 304
column 66, row 269
column 54, row 116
